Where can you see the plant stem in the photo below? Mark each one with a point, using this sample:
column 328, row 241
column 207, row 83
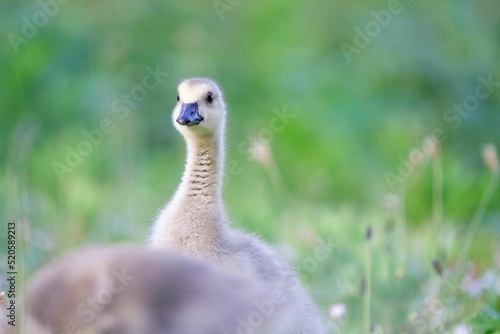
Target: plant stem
column 437, row 202
column 367, row 289
column 278, row 183
column 401, row 223
column 478, row 217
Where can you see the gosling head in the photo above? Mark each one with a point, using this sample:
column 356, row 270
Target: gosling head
column 200, row 109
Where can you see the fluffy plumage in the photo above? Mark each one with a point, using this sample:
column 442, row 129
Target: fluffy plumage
column 133, row 290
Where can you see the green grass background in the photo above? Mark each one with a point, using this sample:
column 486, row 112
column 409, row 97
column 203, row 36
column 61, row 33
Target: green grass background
column 354, row 121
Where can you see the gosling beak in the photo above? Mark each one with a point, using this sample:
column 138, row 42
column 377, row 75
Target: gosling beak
column 189, row 115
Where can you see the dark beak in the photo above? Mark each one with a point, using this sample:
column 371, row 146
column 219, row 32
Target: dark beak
column 189, row 115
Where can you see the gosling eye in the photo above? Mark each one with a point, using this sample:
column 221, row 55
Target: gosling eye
column 210, row 97
column 178, row 98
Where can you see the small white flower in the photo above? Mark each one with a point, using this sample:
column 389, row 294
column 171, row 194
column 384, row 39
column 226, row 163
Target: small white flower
column 431, row 147
column 489, row 153
column 461, row 329
column 337, row 311
column 391, row 202
column 261, row 151
column 476, row 286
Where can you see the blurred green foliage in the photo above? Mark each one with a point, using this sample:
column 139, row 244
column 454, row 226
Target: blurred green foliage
column 487, row 321
column 356, row 118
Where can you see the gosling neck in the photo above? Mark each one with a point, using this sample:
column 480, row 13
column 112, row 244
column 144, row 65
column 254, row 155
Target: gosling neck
column 203, row 176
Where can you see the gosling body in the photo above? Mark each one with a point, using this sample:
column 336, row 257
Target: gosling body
column 133, row 290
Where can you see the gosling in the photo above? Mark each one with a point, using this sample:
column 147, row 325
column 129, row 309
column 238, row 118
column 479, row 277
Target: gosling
column 133, row 290
column 194, row 222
